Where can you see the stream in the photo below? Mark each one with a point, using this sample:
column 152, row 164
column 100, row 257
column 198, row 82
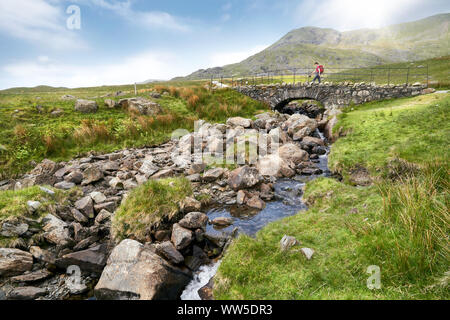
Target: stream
column 287, row 202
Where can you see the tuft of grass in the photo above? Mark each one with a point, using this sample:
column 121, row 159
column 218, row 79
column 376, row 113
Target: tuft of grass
column 148, row 206
column 91, row 132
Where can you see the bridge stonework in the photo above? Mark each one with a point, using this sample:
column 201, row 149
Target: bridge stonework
column 329, row 94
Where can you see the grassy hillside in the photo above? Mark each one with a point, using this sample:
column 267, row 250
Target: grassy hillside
column 30, row 134
column 418, row 40
column 400, row 223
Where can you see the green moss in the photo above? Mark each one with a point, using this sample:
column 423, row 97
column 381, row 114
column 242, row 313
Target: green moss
column 148, row 206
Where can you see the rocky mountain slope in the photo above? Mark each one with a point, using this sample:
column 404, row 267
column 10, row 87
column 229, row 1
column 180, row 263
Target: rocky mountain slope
column 409, row 41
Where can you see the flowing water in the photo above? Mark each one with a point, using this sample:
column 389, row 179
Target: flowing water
column 287, row 202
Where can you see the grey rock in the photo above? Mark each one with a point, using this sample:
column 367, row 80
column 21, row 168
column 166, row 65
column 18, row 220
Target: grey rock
column 98, row 197
column 222, row 221
column 213, row 174
column 307, row 252
column 56, row 230
column 135, row 272
column 86, row 106
column 103, row 216
column 42, row 255
column 288, row 242
column 181, row 237
column 91, row 175
column 10, row 229
column 74, row 177
column 89, row 260
column 64, row 185
column 14, row 262
column 194, row 220
column 86, row 206
column 190, row 204
column 167, row 250
column 244, row 177
column 35, row 276
column 116, row 183
column 78, row 216
column 27, row 293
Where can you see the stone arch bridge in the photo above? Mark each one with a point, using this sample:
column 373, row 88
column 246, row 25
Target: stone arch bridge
column 330, row 95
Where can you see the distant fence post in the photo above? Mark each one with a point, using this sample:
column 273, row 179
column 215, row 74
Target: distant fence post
column 135, row 89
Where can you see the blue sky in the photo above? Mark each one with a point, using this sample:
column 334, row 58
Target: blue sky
column 123, row 41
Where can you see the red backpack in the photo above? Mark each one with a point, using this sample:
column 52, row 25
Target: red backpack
column 321, row 69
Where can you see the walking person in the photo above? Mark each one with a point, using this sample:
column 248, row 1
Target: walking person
column 318, row 71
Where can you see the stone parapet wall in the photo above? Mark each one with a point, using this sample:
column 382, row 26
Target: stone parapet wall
column 329, row 94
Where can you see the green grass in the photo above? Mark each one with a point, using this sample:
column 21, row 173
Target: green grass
column 148, row 206
column 401, row 223
column 414, row 129
column 13, row 205
column 27, row 135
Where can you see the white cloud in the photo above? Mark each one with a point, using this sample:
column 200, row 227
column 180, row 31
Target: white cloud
column 37, row 21
column 150, row 19
column 141, row 67
column 352, row 14
column 223, row 58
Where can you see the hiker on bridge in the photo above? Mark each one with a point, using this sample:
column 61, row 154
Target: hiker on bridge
column 318, row 71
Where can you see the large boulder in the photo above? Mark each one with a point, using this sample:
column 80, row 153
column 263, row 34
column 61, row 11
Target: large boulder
column 141, row 106
column 292, row 152
column 86, row 106
column 14, row 262
column 244, row 177
column 300, row 126
column 136, row 272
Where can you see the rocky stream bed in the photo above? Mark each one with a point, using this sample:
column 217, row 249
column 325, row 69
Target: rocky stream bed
column 69, row 252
